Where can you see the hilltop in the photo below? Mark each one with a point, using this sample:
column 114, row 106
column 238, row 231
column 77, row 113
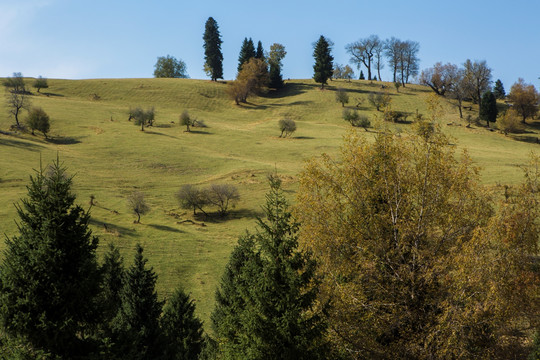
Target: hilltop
column 110, row 158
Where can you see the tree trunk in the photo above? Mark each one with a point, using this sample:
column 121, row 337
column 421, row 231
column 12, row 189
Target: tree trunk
column 142, row 126
column 138, row 218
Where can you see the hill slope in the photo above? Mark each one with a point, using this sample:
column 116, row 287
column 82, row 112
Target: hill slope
column 110, row 157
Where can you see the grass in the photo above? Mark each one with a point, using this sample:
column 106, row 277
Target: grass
column 110, row 157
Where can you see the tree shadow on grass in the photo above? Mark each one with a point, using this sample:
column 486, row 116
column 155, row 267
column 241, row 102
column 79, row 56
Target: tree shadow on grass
column 303, row 137
column 64, row 140
column 157, row 133
column 165, row 228
column 527, row 139
column 234, row 214
column 21, row 144
column 202, row 132
column 51, row 94
column 113, row 228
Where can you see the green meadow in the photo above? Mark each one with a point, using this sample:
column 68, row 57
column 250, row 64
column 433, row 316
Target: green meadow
column 110, row 157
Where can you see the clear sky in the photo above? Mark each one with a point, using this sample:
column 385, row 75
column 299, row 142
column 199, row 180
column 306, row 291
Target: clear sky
column 79, row 39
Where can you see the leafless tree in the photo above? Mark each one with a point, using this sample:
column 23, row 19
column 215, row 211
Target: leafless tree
column 223, row 196
column 190, row 197
column 17, row 96
column 137, row 204
column 478, row 78
column 392, row 51
column 363, row 52
column 459, row 89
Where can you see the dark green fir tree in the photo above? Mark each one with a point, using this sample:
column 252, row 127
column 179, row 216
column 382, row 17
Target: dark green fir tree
column 49, row 274
column 266, row 301
column 488, row 108
column 213, row 57
column 112, row 274
column 247, row 51
column 498, row 90
column 276, row 79
column 182, row 330
column 136, row 326
column 259, row 53
column 362, row 76
column 324, row 67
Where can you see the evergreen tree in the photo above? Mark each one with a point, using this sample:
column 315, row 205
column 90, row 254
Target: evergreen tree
column 181, row 328
column 259, row 54
column 213, row 58
column 247, row 51
column 362, row 77
column 265, row 304
column 136, row 326
column 498, row 90
column 276, row 79
column 323, row 68
column 49, row 275
column 113, row 273
column 275, row 56
column 488, row 108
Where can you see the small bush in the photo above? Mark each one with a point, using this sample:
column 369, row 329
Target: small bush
column 342, row 96
column 395, row 116
column 510, row 123
column 222, row 196
column 287, row 127
column 137, row 204
column 185, row 120
column 38, row 120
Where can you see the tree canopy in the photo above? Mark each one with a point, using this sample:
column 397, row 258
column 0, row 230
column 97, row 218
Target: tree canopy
column 419, row 262
column 524, row 98
column 169, row 67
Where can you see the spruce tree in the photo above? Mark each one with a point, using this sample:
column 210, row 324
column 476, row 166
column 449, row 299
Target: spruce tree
column 323, row 68
column 275, row 77
column 247, row 51
column 259, row 54
column 182, row 330
column 49, row 274
column 362, row 77
column 498, row 90
column 488, row 108
column 136, row 326
column 265, row 304
column 213, row 58
column 112, row 272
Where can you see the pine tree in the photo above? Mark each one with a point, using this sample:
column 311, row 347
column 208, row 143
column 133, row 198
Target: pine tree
column 276, row 79
column 362, row 77
column 136, row 326
column 247, row 51
column 265, row 304
column 259, row 54
column 181, row 328
column 49, row 275
column 488, row 108
column 498, row 90
column 323, row 68
column 113, row 273
column 213, row 58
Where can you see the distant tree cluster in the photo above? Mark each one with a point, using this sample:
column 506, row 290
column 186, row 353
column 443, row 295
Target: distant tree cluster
column 402, row 57
column 142, row 117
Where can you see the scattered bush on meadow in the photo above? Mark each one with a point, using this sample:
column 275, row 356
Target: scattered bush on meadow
column 38, row 120
column 287, row 127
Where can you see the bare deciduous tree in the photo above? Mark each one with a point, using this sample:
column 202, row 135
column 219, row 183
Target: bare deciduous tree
column 363, row 52
column 478, row 78
column 137, row 204
column 223, row 196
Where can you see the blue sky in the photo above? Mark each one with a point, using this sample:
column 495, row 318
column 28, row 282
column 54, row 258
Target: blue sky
column 78, row 39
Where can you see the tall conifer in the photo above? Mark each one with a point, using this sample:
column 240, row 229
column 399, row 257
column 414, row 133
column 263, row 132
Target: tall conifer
column 488, row 108
column 247, row 51
column 259, row 54
column 324, row 67
column 265, row 304
column 181, row 328
column 49, row 274
column 136, row 326
column 213, row 58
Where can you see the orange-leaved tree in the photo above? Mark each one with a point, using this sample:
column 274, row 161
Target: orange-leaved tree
column 418, row 261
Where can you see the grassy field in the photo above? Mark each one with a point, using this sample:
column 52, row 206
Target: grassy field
column 110, row 158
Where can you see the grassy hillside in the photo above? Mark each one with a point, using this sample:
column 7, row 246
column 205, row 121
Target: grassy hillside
column 110, row 157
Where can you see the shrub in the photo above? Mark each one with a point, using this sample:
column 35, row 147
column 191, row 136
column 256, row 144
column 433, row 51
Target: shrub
column 509, row 122
column 137, row 204
column 287, row 127
column 38, row 120
column 222, row 196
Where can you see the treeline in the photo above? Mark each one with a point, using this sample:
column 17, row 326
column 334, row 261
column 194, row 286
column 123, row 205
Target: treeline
column 394, row 251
